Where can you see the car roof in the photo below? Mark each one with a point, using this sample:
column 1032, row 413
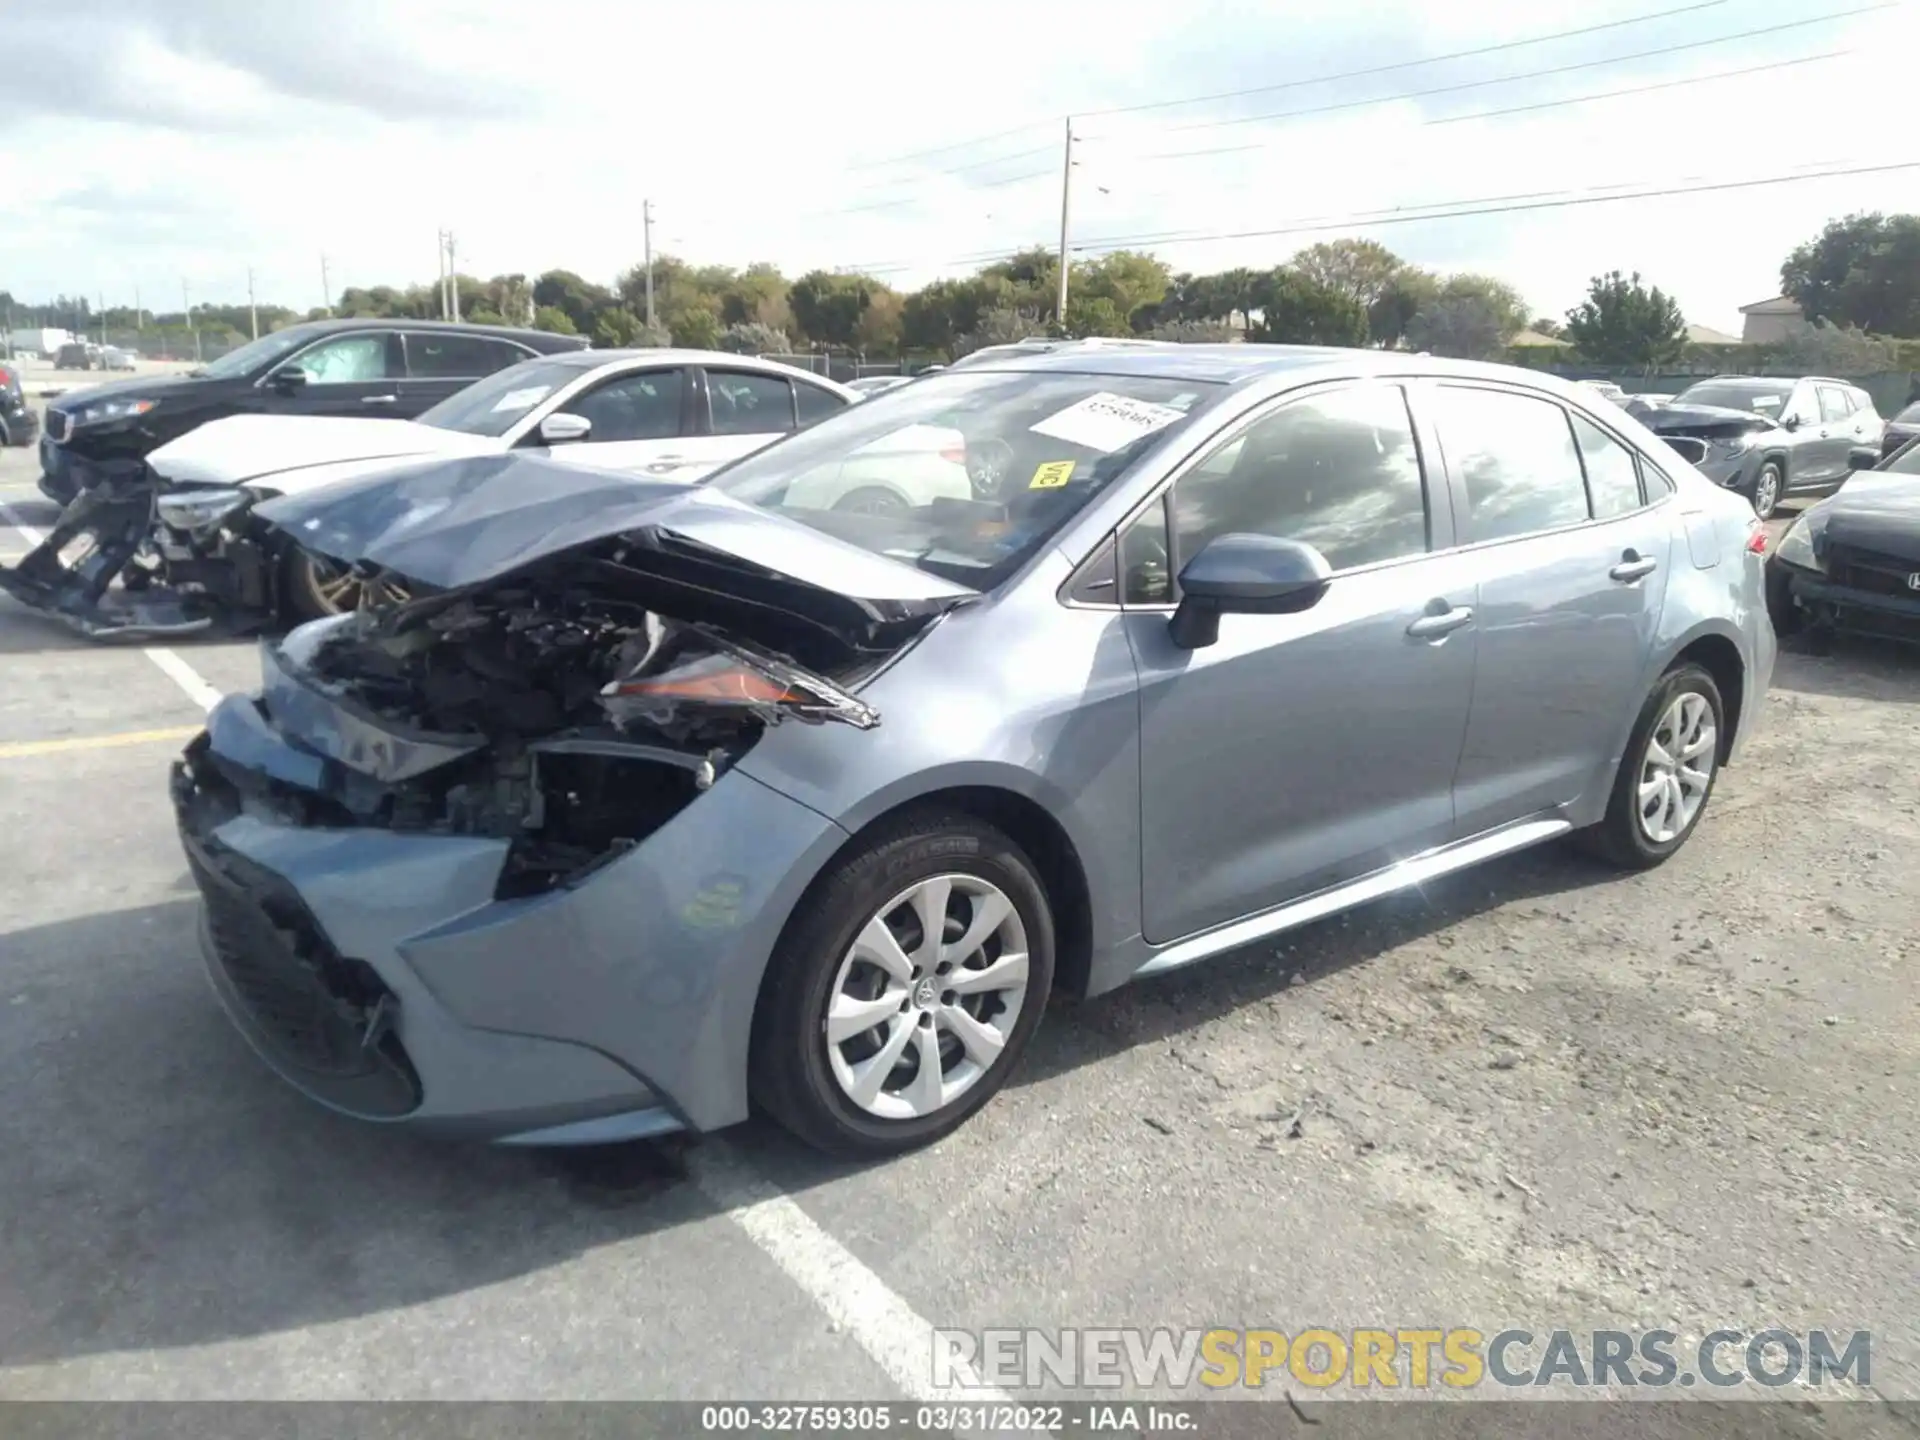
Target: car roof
column 543, row 340
column 667, row 355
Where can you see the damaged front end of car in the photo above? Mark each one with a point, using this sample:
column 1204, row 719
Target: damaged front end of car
column 135, row 557
column 430, row 808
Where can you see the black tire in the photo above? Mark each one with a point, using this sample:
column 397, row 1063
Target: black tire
column 872, row 500
column 1771, row 481
column 790, row 1074
column 1619, row 838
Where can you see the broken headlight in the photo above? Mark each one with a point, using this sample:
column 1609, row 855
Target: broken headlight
column 197, row 510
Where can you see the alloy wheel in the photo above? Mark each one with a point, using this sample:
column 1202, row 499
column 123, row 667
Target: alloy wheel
column 338, row 590
column 927, row 996
column 1766, row 492
column 1677, row 769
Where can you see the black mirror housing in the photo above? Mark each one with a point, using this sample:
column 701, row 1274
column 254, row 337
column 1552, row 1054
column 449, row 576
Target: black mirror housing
column 289, row 380
column 1241, row 574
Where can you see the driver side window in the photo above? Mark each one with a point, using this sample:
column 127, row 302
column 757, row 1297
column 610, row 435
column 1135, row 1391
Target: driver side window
column 1339, row 470
column 643, row 406
column 348, row 360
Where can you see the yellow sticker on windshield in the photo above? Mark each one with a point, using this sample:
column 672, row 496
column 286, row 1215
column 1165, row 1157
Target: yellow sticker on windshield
column 1052, row 475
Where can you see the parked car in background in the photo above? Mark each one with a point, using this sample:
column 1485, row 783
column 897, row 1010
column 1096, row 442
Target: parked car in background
column 195, row 552
column 1226, row 649
column 1606, row 390
column 112, row 357
column 1851, row 562
column 74, row 355
column 19, row 422
column 1768, row 438
column 1902, row 428
column 873, row 384
column 1043, row 345
column 364, row 367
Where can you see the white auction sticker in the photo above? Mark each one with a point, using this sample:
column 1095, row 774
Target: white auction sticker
column 521, row 399
column 1107, row 422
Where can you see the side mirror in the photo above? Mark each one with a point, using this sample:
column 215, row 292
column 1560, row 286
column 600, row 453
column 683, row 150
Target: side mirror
column 1245, row 575
column 1862, row 457
column 560, row 428
column 1790, row 422
column 290, row 380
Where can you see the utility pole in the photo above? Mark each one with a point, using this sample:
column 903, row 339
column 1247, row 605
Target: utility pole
column 253, row 309
column 103, row 317
column 187, row 301
column 139, row 315
column 646, row 233
column 449, row 282
column 440, row 239
column 326, row 289
column 1066, row 198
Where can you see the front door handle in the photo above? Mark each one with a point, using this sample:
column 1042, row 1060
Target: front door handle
column 1436, row 626
column 1632, row 568
column 379, row 399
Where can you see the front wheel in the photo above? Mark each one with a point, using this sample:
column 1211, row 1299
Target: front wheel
column 1768, row 486
column 905, row 990
column 313, row 587
column 1667, row 773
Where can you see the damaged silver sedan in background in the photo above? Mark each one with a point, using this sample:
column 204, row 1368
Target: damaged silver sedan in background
column 651, row 803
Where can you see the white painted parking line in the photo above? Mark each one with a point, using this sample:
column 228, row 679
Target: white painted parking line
column 171, row 665
column 890, row 1330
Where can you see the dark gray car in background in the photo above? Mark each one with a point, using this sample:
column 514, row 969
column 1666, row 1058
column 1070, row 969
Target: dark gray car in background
column 658, row 801
column 1768, row 437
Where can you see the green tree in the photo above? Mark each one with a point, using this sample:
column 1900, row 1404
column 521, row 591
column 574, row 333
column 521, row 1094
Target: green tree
column 1824, row 349
column 827, row 307
column 580, row 300
column 620, row 329
column 758, row 296
column 1465, row 327
column 1623, row 322
column 998, row 327
column 1094, row 315
column 1360, row 268
column 1862, row 271
column 1297, row 310
column 1129, row 280
column 1192, row 332
column 694, row 326
column 552, row 318
column 752, row 338
column 1405, row 294
column 1509, row 311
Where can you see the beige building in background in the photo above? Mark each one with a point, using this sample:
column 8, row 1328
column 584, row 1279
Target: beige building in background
column 1768, row 322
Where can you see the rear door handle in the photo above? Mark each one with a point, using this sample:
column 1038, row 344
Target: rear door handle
column 1433, row 627
column 379, row 399
column 1627, row 571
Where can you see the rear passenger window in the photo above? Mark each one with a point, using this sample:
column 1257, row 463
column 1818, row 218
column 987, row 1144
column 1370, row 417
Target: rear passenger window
column 746, row 404
column 459, row 357
column 1516, row 457
column 1833, row 404
column 1338, row 471
column 816, row 403
column 1613, row 476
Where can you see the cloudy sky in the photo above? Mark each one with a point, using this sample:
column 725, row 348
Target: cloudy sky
column 144, row 143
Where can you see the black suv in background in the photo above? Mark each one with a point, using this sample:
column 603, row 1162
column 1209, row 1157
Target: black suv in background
column 1769, row 436
column 368, row 367
column 18, row 422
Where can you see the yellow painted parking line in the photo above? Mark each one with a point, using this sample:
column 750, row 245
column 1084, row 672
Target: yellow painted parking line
column 20, row 749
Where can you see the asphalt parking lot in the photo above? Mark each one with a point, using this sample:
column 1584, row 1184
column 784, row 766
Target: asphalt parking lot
column 1539, row 1094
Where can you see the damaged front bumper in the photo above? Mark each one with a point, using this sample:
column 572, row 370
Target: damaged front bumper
column 1855, row 598
column 99, row 538
column 398, row 978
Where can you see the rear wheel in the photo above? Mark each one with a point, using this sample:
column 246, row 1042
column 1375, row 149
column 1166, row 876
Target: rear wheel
column 871, row 500
column 1667, row 773
column 905, row 990
column 314, row 587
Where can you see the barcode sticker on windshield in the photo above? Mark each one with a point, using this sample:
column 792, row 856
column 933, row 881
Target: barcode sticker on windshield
column 520, row 399
column 1107, row 422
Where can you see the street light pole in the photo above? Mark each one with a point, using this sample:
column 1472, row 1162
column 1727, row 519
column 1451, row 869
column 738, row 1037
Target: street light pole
column 186, row 300
column 326, row 288
column 253, row 309
column 1066, row 198
column 646, row 233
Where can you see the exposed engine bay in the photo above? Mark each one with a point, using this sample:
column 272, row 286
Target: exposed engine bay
column 542, row 712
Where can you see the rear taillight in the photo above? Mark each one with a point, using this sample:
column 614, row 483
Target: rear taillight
column 955, row 454
column 1757, row 539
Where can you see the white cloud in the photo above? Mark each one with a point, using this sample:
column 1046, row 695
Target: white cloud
column 149, row 143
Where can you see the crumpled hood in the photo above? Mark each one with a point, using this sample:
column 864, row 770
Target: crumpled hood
column 249, row 447
column 1876, row 510
column 1676, row 419
column 456, row 523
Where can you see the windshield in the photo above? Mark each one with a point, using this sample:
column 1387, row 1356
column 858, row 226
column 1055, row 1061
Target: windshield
column 1906, row 460
column 496, row 404
column 1909, row 416
column 1762, row 397
column 966, row 474
column 255, row 354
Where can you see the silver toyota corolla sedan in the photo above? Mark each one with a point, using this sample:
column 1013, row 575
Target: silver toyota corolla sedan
column 658, row 802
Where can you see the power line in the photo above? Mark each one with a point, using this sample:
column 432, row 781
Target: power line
column 1326, row 79
column 1641, row 89
column 1433, row 211
column 1411, row 64
column 1539, row 74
